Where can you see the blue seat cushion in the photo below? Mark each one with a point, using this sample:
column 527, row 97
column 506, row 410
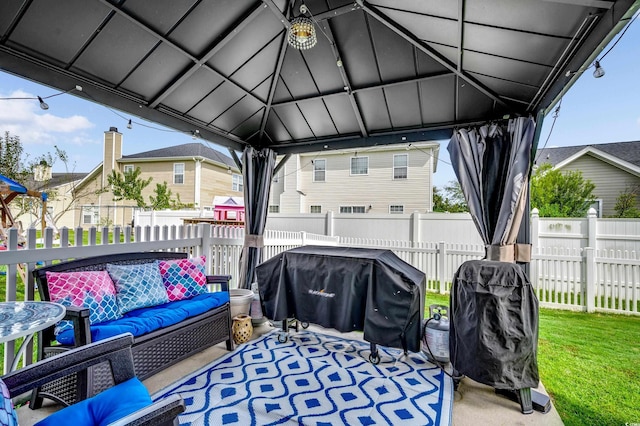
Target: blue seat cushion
column 104, row 408
column 145, row 320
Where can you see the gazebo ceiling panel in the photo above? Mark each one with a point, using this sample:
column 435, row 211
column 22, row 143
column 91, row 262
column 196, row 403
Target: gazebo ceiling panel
column 248, row 127
column 115, row 51
column 404, row 105
column 528, row 47
column 246, row 44
column 294, row 121
column 210, row 107
column 192, row 90
column 356, row 47
column 552, row 17
column 438, row 100
column 318, row 118
column 53, row 31
column 342, row 114
column 156, row 71
column 322, row 67
column 216, row 16
column 295, row 78
column 218, row 66
column 443, row 9
column 237, row 113
column 374, row 108
column 506, row 68
column 166, row 14
column 259, row 67
column 275, row 128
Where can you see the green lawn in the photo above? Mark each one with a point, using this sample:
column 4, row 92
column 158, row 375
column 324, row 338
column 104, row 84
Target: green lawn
column 589, row 364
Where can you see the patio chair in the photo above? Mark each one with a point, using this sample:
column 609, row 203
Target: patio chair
column 126, row 403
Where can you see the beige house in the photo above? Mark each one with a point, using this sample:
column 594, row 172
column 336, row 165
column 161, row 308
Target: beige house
column 194, row 171
column 385, row 179
column 612, row 167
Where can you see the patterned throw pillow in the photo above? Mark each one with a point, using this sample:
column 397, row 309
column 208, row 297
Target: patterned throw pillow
column 7, row 413
column 87, row 289
column 138, row 286
column 184, row 278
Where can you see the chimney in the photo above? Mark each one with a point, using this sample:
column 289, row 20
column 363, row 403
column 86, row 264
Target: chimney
column 112, row 152
column 42, row 172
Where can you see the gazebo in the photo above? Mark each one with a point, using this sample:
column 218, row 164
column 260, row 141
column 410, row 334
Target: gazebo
column 278, row 77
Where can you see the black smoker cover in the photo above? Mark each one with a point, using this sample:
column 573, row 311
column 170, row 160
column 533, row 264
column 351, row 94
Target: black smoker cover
column 494, row 325
column 346, row 289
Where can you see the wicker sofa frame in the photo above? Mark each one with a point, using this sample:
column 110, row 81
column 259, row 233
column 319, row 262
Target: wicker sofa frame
column 152, row 352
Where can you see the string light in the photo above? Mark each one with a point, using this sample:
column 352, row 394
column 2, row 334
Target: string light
column 43, row 104
column 40, row 99
column 129, row 125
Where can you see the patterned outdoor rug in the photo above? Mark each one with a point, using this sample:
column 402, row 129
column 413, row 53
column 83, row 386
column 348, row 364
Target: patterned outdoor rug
column 314, row 379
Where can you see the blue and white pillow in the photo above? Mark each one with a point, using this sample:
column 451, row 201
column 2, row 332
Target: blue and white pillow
column 137, row 286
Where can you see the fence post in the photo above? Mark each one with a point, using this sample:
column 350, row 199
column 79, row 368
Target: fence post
column 590, row 279
column 442, row 253
column 535, row 228
column 415, row 227
column 329, row 226
column 303, row 238
column 592, row 222
column 205, row 248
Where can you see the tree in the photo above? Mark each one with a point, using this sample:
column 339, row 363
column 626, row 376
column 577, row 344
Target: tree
column 128, row 186
column 452, row 200
column 558, row 194
column 626, row 204
column 11, row 158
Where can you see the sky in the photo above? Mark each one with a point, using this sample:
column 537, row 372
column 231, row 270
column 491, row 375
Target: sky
column 593, row 111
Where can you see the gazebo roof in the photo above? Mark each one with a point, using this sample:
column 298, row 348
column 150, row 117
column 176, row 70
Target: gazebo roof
column 382, row 72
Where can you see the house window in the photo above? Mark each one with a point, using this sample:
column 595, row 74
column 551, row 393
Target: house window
column 237, row 183
column 400, row 162
column 178, row 173
column 352, row 209
column 315, row 209
column 274, row 209
column 396, row 209
column 359, row 165
column 90, row 215
column 319, row 170
column 128, row 168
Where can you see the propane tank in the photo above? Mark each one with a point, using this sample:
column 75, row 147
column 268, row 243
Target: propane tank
column 435, row 337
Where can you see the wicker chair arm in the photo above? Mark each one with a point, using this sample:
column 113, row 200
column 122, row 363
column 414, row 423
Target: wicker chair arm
column 219, row 280
column 116, row 350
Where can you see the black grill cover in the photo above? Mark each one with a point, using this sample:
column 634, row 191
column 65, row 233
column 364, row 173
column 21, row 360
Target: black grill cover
column 346, row 289
column 494, row 325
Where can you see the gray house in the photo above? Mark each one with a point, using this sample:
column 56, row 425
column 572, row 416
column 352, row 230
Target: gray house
column 613, row 167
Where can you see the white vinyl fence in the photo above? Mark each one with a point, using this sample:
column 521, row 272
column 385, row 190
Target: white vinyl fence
column 577, row 278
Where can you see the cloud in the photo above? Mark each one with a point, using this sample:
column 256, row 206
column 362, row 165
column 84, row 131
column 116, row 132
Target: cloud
column 34, row 126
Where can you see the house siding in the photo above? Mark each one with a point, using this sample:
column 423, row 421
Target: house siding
column 610, row 180
column 376, row 191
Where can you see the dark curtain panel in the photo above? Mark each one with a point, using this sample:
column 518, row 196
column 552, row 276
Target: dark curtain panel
column 257, row 171
column 492, row 163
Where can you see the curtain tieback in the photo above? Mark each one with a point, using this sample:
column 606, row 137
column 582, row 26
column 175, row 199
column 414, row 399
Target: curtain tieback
column 509, row 253
column 254, row 240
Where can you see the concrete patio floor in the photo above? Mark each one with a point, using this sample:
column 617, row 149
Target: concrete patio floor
column 474, row 403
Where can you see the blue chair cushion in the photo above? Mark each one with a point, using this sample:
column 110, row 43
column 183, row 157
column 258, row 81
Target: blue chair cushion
column 142, row 321
column 106, row 407
column 7, row 413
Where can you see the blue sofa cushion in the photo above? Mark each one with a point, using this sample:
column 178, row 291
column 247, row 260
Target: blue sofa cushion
column 104, row 408
column 145, row 320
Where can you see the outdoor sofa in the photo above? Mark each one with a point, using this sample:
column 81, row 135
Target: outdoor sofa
column 164, row 334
